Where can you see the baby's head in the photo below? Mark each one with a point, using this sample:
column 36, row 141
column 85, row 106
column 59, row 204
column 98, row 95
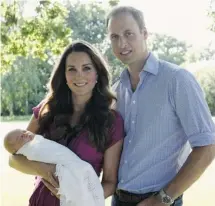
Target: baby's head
column 15, row 139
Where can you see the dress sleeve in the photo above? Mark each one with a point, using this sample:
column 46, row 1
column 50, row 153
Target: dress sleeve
column 117, row 130
column 36, row 110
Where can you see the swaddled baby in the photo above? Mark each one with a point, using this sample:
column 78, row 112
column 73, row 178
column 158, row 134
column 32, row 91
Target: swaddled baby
column 78, row 182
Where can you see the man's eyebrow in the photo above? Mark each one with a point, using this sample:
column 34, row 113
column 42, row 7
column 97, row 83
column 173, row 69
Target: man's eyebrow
column 113, row 34
column 128, row 30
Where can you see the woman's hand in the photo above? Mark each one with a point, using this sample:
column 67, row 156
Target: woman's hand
column 44, row 170
column 54, row 190
column 47, row 172
column 49, row 179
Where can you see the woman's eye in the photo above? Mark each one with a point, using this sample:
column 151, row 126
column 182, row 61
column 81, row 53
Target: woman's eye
column 71, row 69
column 87, row 68
column 114, row 37
column 129, row 34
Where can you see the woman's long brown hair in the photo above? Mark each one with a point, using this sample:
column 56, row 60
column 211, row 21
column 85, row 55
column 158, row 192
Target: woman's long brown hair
column 97, row 117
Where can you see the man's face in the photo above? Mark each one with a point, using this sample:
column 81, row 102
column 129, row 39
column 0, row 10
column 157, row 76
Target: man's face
column 127, row 40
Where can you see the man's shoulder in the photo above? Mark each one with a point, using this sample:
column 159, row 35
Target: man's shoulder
column 178, row 71
column 168, row 70
column 166, row 66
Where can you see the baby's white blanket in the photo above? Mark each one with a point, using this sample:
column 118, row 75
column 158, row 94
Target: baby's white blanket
column 79, row 184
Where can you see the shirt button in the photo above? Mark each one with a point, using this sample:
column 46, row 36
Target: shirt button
column 129, row 141
column 126, row 161
column 122, row 181
column 134, row 102
column 133, row 122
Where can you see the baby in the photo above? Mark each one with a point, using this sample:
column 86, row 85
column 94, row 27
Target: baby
column 15, row 139
column 75, row 176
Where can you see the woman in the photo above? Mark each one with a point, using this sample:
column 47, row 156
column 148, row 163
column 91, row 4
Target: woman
column 77, row 114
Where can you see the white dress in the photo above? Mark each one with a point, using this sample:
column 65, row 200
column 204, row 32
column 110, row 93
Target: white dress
column 79, row 184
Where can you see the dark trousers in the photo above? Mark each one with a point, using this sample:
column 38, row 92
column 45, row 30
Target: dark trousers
column 117, row 202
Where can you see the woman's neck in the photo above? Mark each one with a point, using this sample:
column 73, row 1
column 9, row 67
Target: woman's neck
column 79, row 102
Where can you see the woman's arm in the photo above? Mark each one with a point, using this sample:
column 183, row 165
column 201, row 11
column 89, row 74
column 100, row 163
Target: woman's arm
column 33, row 125
column 110, row 168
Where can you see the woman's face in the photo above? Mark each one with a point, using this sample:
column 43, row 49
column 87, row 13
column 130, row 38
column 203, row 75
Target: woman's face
column 81, row 75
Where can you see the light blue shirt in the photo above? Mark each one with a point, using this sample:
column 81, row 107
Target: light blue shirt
column 165, row 116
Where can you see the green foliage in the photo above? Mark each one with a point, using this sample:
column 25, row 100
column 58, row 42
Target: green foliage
column 87, row 21
column 116, row 66
column 113, row 3
column 42, row 35
column 211, row 14
column 168, row 48
column 23, row 85
column 206, row 78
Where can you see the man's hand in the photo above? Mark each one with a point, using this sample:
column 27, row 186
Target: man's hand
column 151, row 201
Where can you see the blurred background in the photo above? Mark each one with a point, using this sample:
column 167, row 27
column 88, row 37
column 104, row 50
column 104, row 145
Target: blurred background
column 34, row 33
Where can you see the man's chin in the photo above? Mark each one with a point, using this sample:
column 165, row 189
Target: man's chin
column 126, row 61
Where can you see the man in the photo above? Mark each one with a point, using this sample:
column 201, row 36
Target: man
column 170, row 135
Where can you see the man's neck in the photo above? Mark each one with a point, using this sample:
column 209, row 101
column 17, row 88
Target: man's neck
column 135, row 69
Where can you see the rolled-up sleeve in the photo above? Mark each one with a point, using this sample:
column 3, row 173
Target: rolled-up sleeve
column 192, row 109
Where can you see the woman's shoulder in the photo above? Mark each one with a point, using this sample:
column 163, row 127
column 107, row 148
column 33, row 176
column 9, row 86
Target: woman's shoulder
column 117, row 129
column 117, row 116
column 36, row 109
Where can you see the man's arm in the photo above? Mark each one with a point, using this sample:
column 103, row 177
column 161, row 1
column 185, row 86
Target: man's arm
column 195, row 165
column 187, row 99
column 197, row 162
column 195, row 118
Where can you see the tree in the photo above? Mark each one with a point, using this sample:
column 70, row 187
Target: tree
column 202, row 54
column 168, row 48
column 24, row 85
column 206, row 78
column 87, row 21
column 211, row 14
column 43, row 35
column 28, row 44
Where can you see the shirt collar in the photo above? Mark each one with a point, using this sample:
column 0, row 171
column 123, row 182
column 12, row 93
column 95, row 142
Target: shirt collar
column 151, row 66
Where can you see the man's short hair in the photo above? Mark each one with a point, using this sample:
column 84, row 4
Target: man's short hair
column 136, row 14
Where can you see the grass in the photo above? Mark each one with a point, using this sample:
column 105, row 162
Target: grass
column 15, row 118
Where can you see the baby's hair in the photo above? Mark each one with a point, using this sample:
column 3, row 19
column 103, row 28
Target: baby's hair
column 8, row 141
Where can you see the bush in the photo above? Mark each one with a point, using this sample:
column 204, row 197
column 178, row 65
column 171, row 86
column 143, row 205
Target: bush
column 206, row 77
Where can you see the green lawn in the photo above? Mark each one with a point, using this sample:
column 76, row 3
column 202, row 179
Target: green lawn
column 15, row 118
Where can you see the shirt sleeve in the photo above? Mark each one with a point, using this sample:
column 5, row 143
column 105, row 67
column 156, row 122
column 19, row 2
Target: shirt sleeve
column 117, row 130
column 192, row 109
